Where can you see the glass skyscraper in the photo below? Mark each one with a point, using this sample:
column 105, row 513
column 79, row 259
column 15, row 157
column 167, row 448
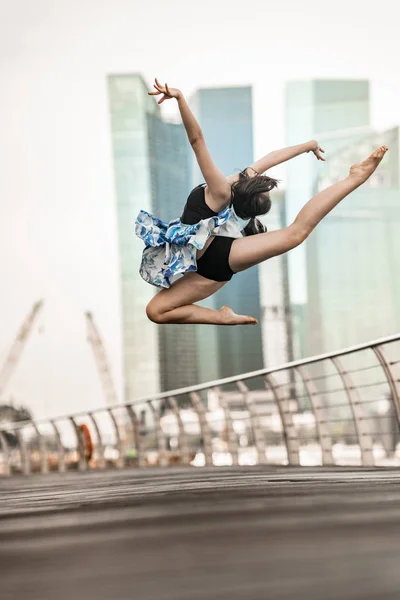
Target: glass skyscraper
column 277, row 317
column 152, row 173
column 171, row 183
column 129, row 109
column 353, row 259
column 155, row 169
column 336, row 113
column 225, row 116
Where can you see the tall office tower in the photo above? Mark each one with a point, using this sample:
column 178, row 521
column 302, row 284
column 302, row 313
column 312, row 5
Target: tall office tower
column 276, row 319
column 171, row 183
column 336, row 113
column 225, row 116
column 151, row 173
column 129, row 106
column 354, row 256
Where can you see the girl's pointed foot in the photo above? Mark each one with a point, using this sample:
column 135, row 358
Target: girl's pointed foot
column 228, row 317
column 364, row 169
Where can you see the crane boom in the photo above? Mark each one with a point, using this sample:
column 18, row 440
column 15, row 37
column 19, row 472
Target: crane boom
column 17, row 348
column 102, row 363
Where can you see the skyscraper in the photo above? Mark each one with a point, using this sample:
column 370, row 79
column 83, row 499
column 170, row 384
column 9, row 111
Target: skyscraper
column 129, row 107
column 277, row 318
column 336, row 113
column 354, row 256
column 151, row 173
column 170, row 176
column 225, row 116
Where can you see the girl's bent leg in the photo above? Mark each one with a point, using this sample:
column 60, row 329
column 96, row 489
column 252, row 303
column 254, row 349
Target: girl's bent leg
column 176, row 304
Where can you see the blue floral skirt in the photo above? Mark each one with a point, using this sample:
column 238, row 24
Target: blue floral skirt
column 171, row 247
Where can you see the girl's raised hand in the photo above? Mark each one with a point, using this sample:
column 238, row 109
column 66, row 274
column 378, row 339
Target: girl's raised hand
column 316, row 150
column 318, row 154
column 167, row 91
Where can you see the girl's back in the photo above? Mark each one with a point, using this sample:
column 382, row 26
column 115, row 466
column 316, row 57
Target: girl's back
column 196, row 209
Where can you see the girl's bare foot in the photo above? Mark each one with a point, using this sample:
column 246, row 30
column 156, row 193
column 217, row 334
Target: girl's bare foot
column 364, row 169
column 228, row 317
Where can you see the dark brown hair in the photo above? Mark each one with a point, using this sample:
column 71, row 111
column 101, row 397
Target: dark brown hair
column 248, row 202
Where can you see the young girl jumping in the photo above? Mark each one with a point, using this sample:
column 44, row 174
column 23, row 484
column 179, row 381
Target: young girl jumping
column 207, row 245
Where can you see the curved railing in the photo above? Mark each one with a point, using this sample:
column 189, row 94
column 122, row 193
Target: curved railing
column 337, row 408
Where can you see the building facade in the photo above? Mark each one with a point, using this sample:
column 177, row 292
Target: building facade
column 151, row 167
column 353, row 257
column 155, row 170
column 226, row 118
column 129, row 109
column 337, row 114
column 276, row 312
column 170, row 157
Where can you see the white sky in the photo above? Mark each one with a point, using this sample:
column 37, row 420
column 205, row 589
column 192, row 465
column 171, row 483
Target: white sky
column 57, row 225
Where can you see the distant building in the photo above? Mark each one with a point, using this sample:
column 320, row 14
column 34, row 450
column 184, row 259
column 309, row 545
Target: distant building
column 276, row 313
column 337, row 114
column 155, row 170
column 225, row 116
column 129, row 108
column 353, row 257
column 151, row 166
column 170, row 157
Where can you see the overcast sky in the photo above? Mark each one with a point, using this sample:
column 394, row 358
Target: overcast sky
column 58, row 225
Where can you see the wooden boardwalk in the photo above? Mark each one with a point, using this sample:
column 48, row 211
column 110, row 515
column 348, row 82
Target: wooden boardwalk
column 220, row 533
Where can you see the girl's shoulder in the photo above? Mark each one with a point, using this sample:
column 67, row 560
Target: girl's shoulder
column 198, row 188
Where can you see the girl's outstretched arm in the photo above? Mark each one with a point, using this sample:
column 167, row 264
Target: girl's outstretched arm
column 218, row 185
column 279, row 156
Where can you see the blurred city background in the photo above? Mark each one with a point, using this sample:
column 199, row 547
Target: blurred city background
column 84, row 148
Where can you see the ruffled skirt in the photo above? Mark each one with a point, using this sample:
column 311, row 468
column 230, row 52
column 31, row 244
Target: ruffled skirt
column 171, row 247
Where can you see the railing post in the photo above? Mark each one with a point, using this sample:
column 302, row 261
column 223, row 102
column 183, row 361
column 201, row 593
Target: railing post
column 120, row 460
column 289, row 431
column 137, row 434
column 394, row 384
column 161, row 443
column 321, row 423
column 258, row 433
column 100, row 445
column 82, row 463
column 6, row 452
column 60, row 448
column 361, row 427
column 25, row 459
column 233, row 448
column 183, row 440
column 204, row 427
column 44, row 467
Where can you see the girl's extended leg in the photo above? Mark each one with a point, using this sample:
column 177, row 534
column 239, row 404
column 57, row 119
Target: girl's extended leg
column 249, row 251
column 175, row 304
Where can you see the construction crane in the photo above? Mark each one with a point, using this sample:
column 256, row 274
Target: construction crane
column 17, row 348
column 102, row 363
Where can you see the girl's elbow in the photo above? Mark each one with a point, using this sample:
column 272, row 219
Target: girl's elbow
column 299, row 232
column 195, row 139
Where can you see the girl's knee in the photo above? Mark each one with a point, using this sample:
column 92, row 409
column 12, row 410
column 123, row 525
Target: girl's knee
column 153, row 313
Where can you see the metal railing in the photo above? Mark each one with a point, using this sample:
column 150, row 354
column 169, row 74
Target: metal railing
column 337, row 408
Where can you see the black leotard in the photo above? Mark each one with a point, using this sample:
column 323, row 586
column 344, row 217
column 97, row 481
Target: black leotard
column 196, row 208
column 214, row 263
